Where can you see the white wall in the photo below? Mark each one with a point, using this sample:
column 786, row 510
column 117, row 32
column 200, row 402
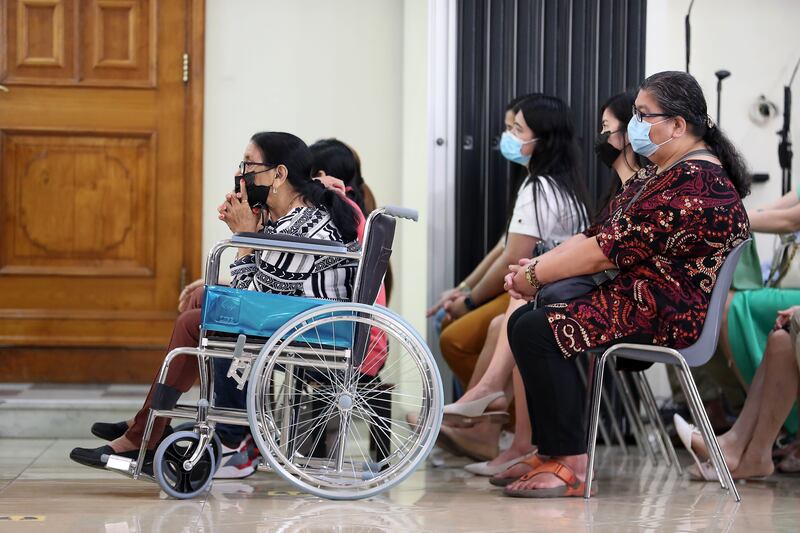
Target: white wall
column 351, row 69
column 759, row 42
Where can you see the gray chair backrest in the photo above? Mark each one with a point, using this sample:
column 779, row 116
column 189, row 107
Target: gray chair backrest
column 701, row 351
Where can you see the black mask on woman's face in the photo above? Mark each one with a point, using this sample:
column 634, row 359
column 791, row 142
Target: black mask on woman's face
column 256, row 194
column 606, row 152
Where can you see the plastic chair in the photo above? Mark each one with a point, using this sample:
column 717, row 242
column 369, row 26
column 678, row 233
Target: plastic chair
column 695, row 355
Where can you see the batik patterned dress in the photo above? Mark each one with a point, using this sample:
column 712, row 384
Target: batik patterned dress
column 668, row 244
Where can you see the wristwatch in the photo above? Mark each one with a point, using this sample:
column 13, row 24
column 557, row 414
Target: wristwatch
column 530, row 275
column 469, row 304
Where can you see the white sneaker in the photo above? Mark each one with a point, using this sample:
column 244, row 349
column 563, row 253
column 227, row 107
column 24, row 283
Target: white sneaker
column 238, row 463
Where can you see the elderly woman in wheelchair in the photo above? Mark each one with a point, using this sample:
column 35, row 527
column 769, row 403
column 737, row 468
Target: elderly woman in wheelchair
column 297, row 329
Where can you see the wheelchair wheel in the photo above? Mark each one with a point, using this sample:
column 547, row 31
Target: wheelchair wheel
column 216, row 443
column 168, row 466
column 327, row 426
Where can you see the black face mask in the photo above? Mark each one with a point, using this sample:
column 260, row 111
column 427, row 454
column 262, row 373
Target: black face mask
column 605, row 152
column 256, row 194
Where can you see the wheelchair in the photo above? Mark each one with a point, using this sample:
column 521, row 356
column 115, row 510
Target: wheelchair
column 319, row 417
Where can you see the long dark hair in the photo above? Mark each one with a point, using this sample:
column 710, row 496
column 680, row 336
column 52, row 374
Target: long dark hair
column 679, row 94
column 279, row 148
column 336, row 159
column 555, row 154
column 621, row 106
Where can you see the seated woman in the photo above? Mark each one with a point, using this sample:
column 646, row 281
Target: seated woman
column 470, row 307
column 614, row 151
column 278, row 168
column 668, row 233
column 749, row 313
column 747, row 446
column 550, row 208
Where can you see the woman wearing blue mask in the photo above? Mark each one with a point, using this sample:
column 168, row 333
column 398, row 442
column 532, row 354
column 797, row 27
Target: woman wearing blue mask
column 550, row 207
column 461, row 352
column 668, row 233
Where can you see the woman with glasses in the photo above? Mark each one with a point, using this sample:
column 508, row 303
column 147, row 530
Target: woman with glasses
column 668, row 233
column 274, row 193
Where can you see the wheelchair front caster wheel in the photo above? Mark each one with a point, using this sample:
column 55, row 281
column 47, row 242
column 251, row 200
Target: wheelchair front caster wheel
column 168, row 466
column 216, row 443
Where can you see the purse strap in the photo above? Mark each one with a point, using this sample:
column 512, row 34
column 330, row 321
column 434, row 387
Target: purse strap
column 702, row 151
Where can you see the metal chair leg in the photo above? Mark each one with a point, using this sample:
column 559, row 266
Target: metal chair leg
column 603, row 429
column 662, row 431
column 594, row 419
column 615, row 427
column 635, row 378
column 629, row 407
column 701, row 418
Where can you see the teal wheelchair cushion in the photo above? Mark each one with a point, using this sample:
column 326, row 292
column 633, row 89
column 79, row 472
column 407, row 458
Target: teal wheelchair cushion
column 260, row 314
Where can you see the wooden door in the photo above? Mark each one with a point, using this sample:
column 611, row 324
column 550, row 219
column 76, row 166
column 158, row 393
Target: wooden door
column 98, row 177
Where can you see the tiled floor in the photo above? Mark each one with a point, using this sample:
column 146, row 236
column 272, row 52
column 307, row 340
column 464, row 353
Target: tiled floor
column 39, row 482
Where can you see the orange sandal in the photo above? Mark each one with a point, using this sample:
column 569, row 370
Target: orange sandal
column 534, row 462
column 573, row 487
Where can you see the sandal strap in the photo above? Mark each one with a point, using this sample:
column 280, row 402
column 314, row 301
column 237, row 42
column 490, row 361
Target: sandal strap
column 558, row 469
column 534, row 461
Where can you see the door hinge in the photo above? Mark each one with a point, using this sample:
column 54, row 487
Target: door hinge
column 182, row 280
column 185, row 68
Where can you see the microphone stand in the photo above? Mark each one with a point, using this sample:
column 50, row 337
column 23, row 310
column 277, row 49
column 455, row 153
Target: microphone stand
column 688, row 28
column 721, row 75
column 785, row 146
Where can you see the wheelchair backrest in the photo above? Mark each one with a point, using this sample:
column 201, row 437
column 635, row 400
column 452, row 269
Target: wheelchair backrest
column 377, row 250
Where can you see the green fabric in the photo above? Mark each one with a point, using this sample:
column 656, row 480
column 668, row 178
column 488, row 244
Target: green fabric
column 751, row 317
column 748, row 271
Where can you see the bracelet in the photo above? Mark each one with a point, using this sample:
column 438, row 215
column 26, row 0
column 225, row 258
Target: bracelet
column 463, row 287
column 469, row 303
column 530, row 275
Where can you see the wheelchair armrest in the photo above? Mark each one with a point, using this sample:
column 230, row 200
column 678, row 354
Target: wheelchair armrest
column 292, row 242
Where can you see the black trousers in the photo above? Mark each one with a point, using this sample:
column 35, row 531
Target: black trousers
column 553, row 388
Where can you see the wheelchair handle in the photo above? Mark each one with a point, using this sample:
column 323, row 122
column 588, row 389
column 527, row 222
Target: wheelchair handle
column 402, row 212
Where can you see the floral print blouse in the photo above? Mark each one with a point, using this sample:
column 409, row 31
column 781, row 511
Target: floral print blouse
column 668, row 245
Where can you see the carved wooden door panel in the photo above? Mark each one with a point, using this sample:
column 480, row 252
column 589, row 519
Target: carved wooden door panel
column 91, row 186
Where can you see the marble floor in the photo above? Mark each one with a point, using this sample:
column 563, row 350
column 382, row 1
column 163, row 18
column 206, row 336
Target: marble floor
column 42, row 490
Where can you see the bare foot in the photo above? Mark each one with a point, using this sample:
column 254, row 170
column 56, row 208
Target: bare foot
column 699, row 447
column 753, row 470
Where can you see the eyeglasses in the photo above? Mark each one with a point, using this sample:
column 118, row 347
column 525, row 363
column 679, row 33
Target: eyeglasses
column 244, row 164
column 639, row 115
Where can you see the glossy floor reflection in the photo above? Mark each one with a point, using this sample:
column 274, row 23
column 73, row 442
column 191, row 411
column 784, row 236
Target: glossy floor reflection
column 39, row 482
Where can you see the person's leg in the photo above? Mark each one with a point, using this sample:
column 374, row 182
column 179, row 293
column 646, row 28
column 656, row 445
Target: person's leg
column 555, row 394
column 483, row 436
column 227, row 395
column 485, row 357
column 772, row 391
column 182, row 374
column 498, row 372
column 724, row 347
column 522, row 444
column 461, row 341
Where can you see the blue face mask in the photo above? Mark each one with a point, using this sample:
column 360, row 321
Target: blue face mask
column 511, row 148
column 639, row 136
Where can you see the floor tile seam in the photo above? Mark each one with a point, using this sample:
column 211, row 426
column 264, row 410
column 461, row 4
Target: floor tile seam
column 46, row 449
column 195, row 528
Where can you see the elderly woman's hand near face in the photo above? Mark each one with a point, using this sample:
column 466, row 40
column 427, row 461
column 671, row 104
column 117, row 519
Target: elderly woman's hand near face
column 237, row 213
